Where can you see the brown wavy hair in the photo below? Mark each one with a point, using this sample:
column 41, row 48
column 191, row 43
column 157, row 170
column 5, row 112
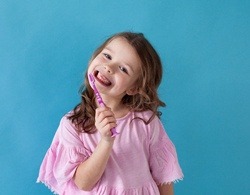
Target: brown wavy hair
column 83, row 115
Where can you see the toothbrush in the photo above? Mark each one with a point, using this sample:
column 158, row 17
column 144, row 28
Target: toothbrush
column 99, row 99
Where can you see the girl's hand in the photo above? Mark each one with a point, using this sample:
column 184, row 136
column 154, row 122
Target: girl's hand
column 104, row 122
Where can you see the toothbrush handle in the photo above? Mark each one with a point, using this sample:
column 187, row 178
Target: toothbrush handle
column 114, row 132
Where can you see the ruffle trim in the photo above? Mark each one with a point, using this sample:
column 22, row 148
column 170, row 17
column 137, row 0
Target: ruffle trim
column 48, row 186
column 174, row 181
column 146, row 189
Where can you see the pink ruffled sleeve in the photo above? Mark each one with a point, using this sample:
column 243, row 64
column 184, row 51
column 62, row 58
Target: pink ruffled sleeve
column 62, row 158
column 164, row 163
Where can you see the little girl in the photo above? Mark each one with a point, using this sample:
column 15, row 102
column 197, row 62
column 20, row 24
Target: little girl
column 84, row 158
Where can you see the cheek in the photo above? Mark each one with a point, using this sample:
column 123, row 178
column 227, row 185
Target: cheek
column 130, row 83
column 90, row 69
column 92, row 64
column 134, row 79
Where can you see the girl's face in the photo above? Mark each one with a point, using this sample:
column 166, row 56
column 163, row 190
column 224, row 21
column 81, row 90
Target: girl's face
column 116, row 69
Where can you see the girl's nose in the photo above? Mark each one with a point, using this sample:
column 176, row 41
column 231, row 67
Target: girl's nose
column 109, row 68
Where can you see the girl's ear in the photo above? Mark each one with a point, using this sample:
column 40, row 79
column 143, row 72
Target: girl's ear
column 132, row 91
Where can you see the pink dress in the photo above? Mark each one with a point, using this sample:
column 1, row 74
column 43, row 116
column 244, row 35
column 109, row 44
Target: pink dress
column 143, row 157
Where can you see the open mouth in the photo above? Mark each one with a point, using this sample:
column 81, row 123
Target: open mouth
column 101, row 79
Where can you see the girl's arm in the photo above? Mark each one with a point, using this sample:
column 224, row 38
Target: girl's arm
column 90, row 171
column 166, row 189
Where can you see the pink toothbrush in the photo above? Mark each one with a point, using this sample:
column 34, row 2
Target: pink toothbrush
column 99, row 99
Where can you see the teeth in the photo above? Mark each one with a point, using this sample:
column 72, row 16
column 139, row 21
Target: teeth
column 103, row 79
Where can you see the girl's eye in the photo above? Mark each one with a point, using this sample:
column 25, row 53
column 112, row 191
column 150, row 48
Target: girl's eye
column 107, row 56
column 123, row 69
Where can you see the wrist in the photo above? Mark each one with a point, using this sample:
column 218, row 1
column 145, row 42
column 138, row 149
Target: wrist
column 107, row 141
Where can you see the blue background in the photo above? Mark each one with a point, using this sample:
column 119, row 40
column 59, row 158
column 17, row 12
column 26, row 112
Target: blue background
column 205, row 48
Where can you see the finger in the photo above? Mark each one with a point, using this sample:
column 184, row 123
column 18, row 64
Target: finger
column 104, row 119
column 103, row 110
column 105, row 113
column 109, row 120
column 106, row 130
column 100, row 109
column 101, row 123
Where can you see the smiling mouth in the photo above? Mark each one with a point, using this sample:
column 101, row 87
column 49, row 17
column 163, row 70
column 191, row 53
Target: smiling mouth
column 101, row 79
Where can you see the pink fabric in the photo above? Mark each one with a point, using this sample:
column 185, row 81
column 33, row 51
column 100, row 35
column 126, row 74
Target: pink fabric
column 143, row 157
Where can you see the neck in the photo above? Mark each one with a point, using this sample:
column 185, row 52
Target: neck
column 116, row 106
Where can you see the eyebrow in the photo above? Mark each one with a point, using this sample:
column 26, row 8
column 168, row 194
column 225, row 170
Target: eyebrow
column 110, row 50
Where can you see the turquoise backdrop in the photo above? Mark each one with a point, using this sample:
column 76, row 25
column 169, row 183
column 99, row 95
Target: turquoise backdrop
column 205, row 48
